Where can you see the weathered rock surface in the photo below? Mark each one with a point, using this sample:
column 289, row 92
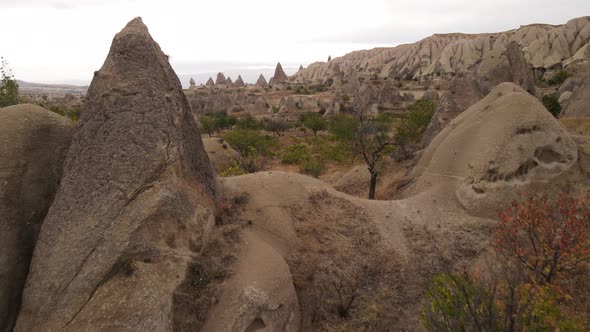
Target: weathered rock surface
column 495, row 149
column 134, row 202
column 545, row 47
column 463, row 92
column 34, row 143
column 229, row 82
column 261, row 82
column 210, row 82
column 192, row 84
column 239, row 82
column 220, row 79
column 279, row 76
column 578, row 104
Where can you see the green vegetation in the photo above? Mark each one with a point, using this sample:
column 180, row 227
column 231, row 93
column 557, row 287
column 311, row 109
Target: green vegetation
column 248, row 122
column 313, row 121
column 8, row 85
column 295, row 154
column 541, row 245
column 313, row 166
column 551, row 103
column 411, row 129
column 559, row 78
column 343, row 127
column 72, row 113
column 251, row 146
column 216, row 122
column 276, row 126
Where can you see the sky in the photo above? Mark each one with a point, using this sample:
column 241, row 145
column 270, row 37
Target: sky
column 65, row 41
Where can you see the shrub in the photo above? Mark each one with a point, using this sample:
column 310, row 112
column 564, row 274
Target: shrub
column 419, row 115
column 551, row 103
column 548, row 238
column 248, row 122
column 312, row 166
column 295, row 154
column 251, row 146
column 276, row 126
column 559, row 78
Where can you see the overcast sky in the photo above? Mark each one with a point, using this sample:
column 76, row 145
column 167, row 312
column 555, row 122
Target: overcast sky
column 65, row 41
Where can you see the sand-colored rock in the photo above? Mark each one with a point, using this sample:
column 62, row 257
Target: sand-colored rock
column 135, row 200
column 229, row 82
column 261, row 82
column 239, row 83
column 210, row 82
column 279, row 77
column 463, row 92
column 499, row 146
column 220, row 80
column 34, row 143
column 192, row 84
column 578, row 104
column 564, row 99
column 221, row 155
column 545, row 47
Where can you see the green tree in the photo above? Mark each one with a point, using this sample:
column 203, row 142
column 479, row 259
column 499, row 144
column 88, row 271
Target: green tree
column 251, row 146
column 8, row 85
column 276, row 126
column 249, row 122
column 411, row 129
column 314, row 121
column 208, row 124
column 344, row 127
column 551, row 103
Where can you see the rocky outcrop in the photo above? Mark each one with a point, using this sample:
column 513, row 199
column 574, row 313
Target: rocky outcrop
column 494, row 150
column 329, row 58
column 220, row 80
column 192, row 84
column 578, row 105
column 279, row 77
column 229, row 82
column 545, row 47
column 508, row 65
column 210, row 82
column 34, row 145
column 431, row 94
column 135, row 200
column 463, row 92
column 239, row 83
column 261, row 82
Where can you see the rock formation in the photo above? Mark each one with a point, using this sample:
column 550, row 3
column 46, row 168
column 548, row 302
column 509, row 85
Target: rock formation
column 505, row 66
column 545, row 47
column 229, row 82
column 329, row 58
column 210, row 82
column 30, row 170
column 261, row 82
column 135, row 200
column 220, row 79
column 279, row 76
column 463, row 92
column 239, row 82
column 578, row 105
column 506, row 140
column 300, row 67
column 192, row 84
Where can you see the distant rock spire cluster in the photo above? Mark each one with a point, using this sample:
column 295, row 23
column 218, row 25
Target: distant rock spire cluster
column 279, row 77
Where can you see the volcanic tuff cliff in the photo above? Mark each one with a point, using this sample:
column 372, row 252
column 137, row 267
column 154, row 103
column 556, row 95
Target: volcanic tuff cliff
column 546, row 47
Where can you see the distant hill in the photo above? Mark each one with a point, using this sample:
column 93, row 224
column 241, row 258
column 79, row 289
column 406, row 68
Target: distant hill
column 50, row 89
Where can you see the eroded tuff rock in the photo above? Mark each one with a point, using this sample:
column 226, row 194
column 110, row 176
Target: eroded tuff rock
column 210, row 82
column 229, row 82
column 239, row 82
column 34, row 145
column 545, row 47
column 463, row 92
column 279, row 76
column 578, row 105
column 497, row 147
column 220, row 79
column 134, row 202
column 261, row 82
column 192, row 84
column 507, row 65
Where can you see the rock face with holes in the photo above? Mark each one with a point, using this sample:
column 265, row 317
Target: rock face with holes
column 34, row 145
column 495, row 148
column 134, row 202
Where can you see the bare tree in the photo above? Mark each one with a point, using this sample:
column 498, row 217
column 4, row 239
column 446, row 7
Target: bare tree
column 372, row 142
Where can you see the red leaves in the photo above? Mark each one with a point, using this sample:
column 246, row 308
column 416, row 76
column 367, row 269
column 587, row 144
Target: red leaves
column 548, row 237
